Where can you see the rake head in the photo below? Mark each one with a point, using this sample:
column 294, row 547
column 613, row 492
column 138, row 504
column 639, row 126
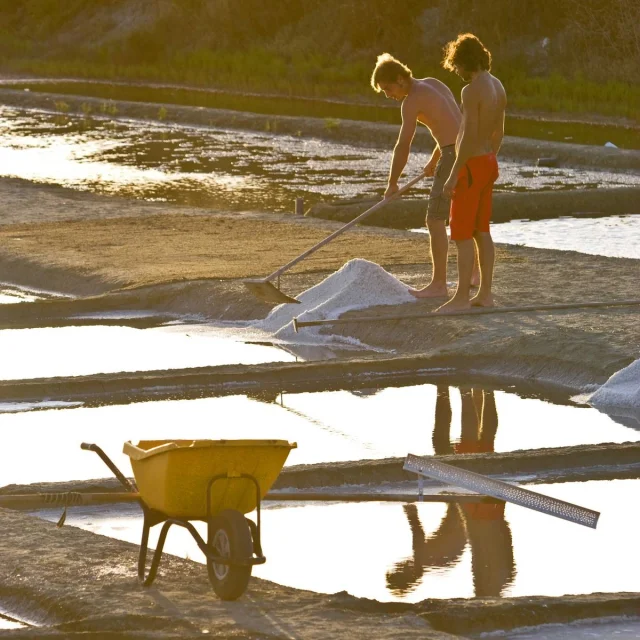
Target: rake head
column 268, row 292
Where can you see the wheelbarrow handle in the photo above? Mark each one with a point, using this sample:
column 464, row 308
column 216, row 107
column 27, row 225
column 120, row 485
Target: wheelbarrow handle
column 105, row 458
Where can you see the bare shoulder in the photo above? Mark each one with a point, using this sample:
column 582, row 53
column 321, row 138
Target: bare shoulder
column 499, row 89
column 431, row 83
column 471, row 93
column 410, row 105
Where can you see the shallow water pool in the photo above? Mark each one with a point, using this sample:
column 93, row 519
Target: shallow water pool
column 222, row 168
column 328, row 426
column 13, row 295
column 84, row 350
column 9, row 623
column 613, row 236
column 390, row 552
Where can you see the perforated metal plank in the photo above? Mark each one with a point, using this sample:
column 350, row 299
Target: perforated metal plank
column 501, row 490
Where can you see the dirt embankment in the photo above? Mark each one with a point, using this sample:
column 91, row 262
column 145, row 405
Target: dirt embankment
column 76, row 582
column 159, row 258
column 560, row 464
column 538, row 205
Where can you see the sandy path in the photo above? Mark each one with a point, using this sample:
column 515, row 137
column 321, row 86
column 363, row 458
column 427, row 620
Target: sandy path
column 133, row 243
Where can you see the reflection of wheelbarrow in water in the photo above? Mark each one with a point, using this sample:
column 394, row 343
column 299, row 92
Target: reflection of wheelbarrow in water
column 217, row 481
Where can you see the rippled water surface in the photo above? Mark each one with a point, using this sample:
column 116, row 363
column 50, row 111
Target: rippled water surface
column 221, row 168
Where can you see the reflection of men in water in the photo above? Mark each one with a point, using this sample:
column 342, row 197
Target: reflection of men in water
column 481, row 525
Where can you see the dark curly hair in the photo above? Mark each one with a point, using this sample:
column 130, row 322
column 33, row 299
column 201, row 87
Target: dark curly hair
column 468, row 53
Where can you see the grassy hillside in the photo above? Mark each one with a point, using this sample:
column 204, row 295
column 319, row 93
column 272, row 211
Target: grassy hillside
column 578, row 56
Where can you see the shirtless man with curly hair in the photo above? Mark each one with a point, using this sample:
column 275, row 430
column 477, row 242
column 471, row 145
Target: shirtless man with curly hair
column 470, row 183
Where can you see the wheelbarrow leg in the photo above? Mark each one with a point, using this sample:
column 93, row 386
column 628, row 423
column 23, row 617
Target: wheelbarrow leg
column 151, row 518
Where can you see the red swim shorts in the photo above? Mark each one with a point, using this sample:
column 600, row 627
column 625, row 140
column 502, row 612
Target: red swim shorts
column 471, row 203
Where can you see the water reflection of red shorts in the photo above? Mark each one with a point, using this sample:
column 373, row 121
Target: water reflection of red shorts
column 474, row 446
column 484, row 510
column 471, row 203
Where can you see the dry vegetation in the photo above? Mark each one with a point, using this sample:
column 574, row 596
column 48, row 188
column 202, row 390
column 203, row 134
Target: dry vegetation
column 573, row 55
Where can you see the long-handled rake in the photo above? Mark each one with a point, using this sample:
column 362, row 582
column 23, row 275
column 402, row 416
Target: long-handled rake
column 268, row 292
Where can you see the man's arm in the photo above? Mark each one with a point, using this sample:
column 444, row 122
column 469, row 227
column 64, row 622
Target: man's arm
column 430, row 167
column 498, row 135
column 470, row 104
column 403, row 145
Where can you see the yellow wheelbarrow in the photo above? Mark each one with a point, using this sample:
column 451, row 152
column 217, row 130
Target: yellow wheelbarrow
column 216, row 481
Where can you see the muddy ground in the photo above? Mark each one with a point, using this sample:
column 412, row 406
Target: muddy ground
column 72, row 582
column 111, row 253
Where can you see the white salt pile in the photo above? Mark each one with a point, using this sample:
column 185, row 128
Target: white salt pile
column 620, row 395
column 357, row 285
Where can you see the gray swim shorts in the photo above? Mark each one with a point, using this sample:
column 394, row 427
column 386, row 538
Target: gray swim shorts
column 438, row 206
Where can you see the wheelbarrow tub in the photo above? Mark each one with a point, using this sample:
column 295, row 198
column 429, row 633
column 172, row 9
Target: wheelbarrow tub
column 173, row 475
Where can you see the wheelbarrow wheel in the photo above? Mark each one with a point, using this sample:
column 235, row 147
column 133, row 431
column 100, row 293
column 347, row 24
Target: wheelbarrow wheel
column 230, row 537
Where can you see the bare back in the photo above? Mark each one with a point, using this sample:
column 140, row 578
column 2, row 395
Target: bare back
column 431, row 103
column 484, row 102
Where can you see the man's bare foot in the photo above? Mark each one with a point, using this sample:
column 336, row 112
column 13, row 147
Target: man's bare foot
column 482, row 301
column 430, row 291
column 455, row 304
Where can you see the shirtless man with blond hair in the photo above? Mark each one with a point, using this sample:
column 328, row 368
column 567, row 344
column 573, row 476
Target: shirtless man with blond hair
column 431, row 103
column 470, row 183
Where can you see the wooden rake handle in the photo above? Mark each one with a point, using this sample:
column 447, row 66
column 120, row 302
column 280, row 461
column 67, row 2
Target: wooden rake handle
column 346, row 227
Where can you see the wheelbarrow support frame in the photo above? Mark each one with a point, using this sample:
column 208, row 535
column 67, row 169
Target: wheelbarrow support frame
column 153, row 517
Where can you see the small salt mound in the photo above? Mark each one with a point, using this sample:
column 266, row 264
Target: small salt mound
column 620, row 395
column 357, row 285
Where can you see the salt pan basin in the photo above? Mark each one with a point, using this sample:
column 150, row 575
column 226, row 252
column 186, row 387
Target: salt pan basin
column 408, row 553
column 329, row 426
column 85, row 350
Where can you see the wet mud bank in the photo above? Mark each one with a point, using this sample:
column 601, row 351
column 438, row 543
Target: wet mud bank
column 545, row 374
column 489, row 614
column 350, row 131
column 85, row 583
column 569, row 351
column 115, row 256
column 73, row 581
column 534, row 466
column 541, row 205
column 564, row 462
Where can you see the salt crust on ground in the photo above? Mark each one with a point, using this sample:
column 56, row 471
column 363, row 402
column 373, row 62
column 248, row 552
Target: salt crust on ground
column 620, row 395
column 622, row 389
column 357, row 285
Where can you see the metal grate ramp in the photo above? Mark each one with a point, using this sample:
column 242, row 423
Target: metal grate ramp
column 500, row 490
